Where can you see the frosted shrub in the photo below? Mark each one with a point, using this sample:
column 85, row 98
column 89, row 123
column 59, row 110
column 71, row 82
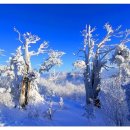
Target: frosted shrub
column 36, row 110
column 61, row 102
column 5, row 82
column 69, row 90
column 113, row 101
column 50, row 113
column 121, row 58
column 6, row 99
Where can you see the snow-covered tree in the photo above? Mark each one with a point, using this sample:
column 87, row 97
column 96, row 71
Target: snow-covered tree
column 54, row 59
column 2, row 69
column 121, row 58
column 17, row 65
column 95, row 57
column 29, row 76
column 29, row 89
column 61, row 102
column 6, row 78
column 6, row 71
column 53, row 76
column 113, row 100
column 27, row 39
column 17, row 62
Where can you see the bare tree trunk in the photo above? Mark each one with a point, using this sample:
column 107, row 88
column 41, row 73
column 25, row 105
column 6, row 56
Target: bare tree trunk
column 96, row 81
column 26, row 83
column 87, row 73
column 25, row 88
column 92, row 82
column 22, row 94
column 86, row 89
column 96, row 89
column 27, row 91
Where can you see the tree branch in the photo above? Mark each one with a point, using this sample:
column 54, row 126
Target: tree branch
column 125, row 41
column 19, row 35
column 106, row 53
column 41, row 49
column 29, row 38
column 105, row 66
column 80, row 50
column 107, row 37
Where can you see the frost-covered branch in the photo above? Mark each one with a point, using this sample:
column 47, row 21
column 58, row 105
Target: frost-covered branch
column 41, row 49
column 29, row 38
column 79, row 51
column 106, row 53
column 107, row 67
column 54, row 59
column 54, row 75
column 87, row 34
column 125, row 41
column 110, row 31
column 19, row 34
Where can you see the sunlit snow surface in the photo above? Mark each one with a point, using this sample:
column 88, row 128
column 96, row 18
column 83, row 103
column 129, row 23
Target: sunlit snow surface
column 70, row 115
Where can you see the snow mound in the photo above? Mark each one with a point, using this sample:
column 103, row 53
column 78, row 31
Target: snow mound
column 6, row 98
column 35, row 97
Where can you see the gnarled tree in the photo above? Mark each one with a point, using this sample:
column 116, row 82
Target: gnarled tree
column 95, row 57
column 27, row 39
column 30, row 77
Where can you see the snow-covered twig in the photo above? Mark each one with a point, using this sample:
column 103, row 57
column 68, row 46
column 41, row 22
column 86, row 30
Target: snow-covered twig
column 29, row 38
column 19, row 34
column 41, row 49
column 110, row 31
column 54, row 59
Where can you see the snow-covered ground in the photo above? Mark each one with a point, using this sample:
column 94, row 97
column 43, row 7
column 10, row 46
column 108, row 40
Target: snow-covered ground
column 70, row 115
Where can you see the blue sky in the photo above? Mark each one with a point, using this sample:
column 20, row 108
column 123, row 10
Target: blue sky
column 58, row 24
